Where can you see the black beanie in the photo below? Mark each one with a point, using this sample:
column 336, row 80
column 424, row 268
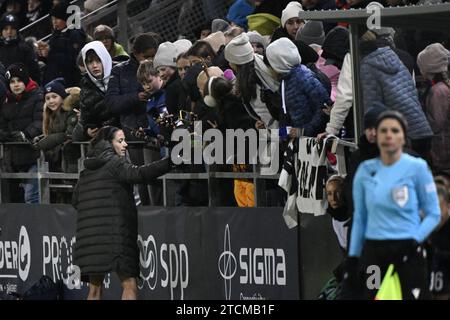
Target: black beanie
column 57, row 86
column 371, row 115
column 60, row 11
column 9, row 20
column 17, row 70
column 336, row 44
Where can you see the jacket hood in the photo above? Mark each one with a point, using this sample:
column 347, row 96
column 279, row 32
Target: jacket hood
column 106, row 60
column 383, row 59
column 283, row 55
column 99, row 155
column 265, row 75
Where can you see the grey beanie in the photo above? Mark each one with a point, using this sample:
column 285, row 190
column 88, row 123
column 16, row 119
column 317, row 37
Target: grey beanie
column 311, row 33
column 239, row 51
column 433, row 59
column 254, row 36
column 183, row 45
column 283, row 55
column 166, row 56
column 219, row 25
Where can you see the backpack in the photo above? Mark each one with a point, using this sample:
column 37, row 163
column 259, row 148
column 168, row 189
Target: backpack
column 44, row 289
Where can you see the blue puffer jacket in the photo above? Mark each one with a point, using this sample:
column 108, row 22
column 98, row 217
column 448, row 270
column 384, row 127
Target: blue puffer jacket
column 386, row 80
column 305, row 97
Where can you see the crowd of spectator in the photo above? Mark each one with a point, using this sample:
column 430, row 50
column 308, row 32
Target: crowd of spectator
column 259, row 67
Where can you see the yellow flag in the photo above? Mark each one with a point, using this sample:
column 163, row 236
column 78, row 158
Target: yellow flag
column 390, row 288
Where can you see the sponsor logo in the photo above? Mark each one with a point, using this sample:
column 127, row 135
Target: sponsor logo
column 15, row 257
column 166, row 265
column 257, row 266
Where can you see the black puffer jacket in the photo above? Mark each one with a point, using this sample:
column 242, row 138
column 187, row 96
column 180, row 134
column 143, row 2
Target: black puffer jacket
column 107, row 216
column 95, row 113
column 24, row 114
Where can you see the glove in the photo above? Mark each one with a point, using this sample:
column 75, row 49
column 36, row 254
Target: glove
column 411, row 248
column 352, row 282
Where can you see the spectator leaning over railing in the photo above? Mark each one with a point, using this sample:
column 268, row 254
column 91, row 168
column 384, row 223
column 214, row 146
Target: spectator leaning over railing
column 60, row 117
column 14, row 49
column 304, row 95
column 252, row 76
column 127, row 99
column 165, row 63
column 21, row 121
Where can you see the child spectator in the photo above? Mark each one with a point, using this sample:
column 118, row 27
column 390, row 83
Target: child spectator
column 21, row 121
column 183, row 65
column 165, row 63
column 94, row 111
column 304, row 95
column 14, row 49
column 60, row 117
column 150, row 80
column 61, row 51
column 127, row 99
column 259, row 44
column 433, row 64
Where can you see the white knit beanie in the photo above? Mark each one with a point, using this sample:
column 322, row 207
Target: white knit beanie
column 291, row 11
column 283, row 55
column 239, row 51
column 183, row 45
column 166, row 56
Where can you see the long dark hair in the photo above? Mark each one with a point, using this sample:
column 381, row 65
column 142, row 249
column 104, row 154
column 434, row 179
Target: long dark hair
column 106, row 133
column 246, row 81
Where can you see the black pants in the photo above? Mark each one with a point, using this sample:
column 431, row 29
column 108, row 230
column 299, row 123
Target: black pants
column 410, row 264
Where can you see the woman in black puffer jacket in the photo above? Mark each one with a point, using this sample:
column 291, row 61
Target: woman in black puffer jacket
column 107, row 216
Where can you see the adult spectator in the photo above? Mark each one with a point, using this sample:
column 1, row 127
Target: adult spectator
column 106, row 35
column 127, row 99
column 386, row 80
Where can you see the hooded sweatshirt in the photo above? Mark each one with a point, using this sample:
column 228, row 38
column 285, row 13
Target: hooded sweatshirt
column 106, row 60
